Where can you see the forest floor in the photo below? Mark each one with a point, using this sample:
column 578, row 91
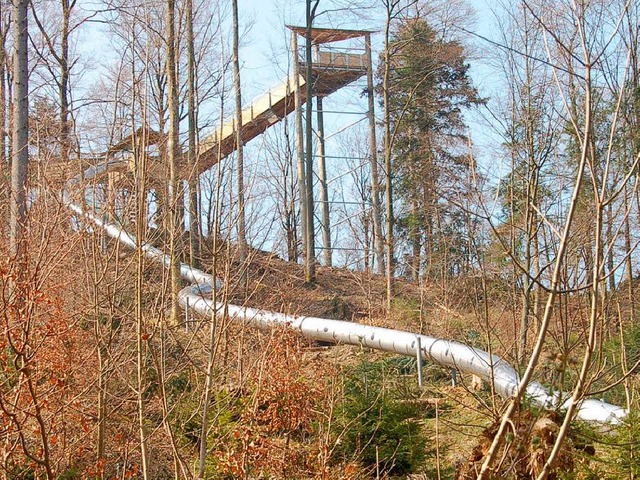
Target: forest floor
column 464, row 414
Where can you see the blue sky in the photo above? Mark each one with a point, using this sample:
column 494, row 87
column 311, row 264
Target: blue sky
column 264, row 59
column 264, row 51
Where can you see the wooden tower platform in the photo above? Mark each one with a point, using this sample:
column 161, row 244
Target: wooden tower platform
column 332, row 70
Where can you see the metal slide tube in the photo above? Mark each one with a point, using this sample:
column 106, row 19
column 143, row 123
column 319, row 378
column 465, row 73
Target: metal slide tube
column 443, row 352
column 190, row 274
column 446, row 353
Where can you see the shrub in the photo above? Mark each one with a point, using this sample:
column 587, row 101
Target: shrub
column 377, row 426
column 627, row 440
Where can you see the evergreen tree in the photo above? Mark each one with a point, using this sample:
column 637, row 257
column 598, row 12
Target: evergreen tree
column 429, row 88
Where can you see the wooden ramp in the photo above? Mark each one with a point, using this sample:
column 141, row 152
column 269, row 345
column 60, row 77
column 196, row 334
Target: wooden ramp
column 265, row 111
column 331, row 71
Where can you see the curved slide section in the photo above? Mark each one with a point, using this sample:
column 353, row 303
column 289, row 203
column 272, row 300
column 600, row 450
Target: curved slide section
column 443, row 352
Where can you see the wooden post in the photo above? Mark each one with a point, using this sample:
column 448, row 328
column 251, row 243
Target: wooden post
column 419, row 360
column 186, row 316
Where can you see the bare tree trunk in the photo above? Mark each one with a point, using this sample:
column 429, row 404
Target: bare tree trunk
column 378, row 240
column 300, row 168
column 173, row 155
column 101, row 409
column 242, row 234
column 4, row 166
column 324, row 193
column 20, row 134
column 288, row 200
column 387, row 158
column 560, row 260
column 181, row 469
column 213, row 324
column 610, row 253
column 628, row 261
column 416, row 247
column 60, row 61
column 310, row 254
column 367, row 239
column 529, row 212
column 192, row 155
column 139, row 159
column 63, row 85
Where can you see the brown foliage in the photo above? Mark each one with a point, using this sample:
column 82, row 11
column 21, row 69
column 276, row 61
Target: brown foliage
column 43, row 359
column 525, row 450
column 273, row 436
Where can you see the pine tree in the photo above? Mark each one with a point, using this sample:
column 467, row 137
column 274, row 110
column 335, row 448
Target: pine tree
column 429, row 87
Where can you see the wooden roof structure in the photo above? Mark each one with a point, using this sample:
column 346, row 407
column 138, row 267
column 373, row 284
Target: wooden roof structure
column 126, row 144
column 328, row 35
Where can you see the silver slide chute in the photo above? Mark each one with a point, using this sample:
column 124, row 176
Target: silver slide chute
column 446, row 353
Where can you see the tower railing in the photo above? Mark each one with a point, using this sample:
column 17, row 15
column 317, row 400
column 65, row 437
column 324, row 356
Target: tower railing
column 336, row 59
